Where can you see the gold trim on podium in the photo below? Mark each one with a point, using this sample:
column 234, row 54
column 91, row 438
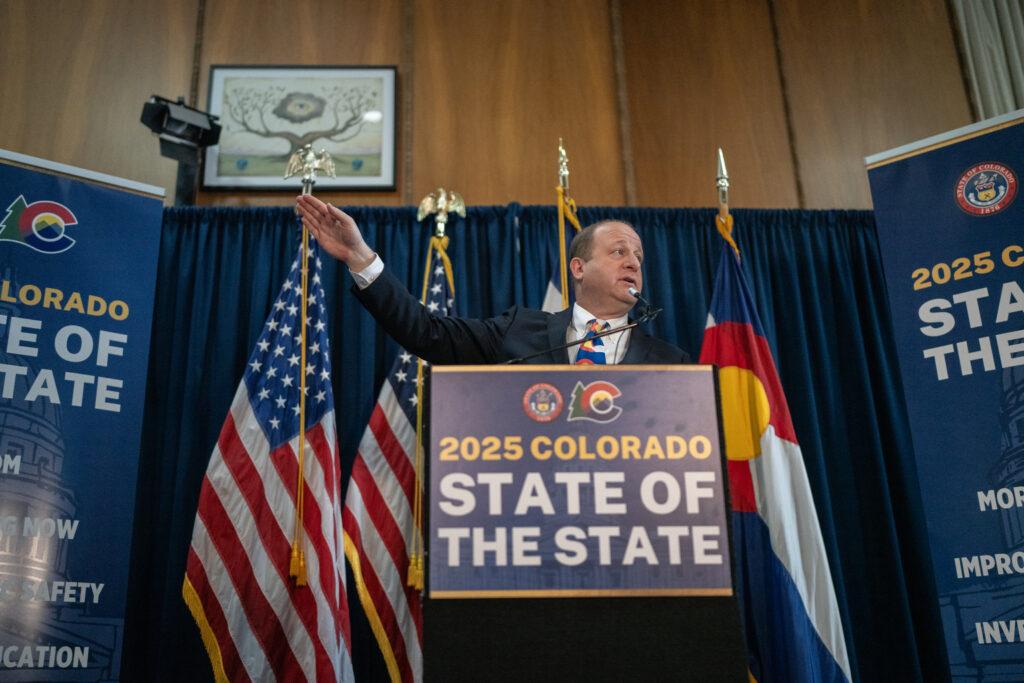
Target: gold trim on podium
column 440, row 369
column 585, row 593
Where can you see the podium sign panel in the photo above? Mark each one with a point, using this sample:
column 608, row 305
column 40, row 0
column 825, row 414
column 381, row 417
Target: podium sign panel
column 556, row 481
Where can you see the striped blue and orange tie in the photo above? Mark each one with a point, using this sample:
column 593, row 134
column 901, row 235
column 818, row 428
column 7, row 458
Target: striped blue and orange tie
column 591, row 351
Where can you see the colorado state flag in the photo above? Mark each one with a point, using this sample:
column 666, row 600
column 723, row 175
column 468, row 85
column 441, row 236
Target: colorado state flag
column 790, row 613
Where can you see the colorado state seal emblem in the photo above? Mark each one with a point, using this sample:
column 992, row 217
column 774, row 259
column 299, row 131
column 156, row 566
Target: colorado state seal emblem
column 985, row 189
column 542, row 402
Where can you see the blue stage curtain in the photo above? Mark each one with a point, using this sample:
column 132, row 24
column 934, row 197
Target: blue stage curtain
column 817, row 279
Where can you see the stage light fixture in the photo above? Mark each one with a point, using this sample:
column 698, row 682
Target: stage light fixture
column 184, row 132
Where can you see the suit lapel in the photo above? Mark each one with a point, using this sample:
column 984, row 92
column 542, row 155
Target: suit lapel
column 639, row 347
column 558, row 324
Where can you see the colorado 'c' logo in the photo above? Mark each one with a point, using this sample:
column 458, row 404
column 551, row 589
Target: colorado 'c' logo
column 41, row 225
column 594, row 402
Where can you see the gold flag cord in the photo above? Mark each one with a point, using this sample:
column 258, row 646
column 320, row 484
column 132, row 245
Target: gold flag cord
column 562, row 267
column 414, row 577
column 566, row 210
column 723, row 221
column 308, row 164
column 297, row 568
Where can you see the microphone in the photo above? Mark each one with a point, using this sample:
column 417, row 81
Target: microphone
column 635, row 293
column 649, row 312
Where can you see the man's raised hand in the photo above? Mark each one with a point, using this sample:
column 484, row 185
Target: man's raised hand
column 336, row 232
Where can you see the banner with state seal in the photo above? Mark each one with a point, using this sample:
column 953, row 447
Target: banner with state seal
column 78, row 257
column 951, row 229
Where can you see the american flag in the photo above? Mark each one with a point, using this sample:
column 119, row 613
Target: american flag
column 256, row 623
column 379, row 522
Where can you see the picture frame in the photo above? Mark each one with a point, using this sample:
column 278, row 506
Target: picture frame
column 268, row 112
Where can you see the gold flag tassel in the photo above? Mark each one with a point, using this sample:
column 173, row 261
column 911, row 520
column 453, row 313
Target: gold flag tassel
column 566, row 211
column 297, row 567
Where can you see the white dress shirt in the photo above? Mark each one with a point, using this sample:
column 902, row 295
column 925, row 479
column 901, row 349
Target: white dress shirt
column 365, row 277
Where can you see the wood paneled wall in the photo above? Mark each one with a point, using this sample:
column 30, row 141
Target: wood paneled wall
column 864, row 77
column 711, row 81
column 74, row 76
column 795, row 91
column 497, row 82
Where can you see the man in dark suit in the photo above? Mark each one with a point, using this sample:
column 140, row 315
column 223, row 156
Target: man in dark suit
column 605, row 262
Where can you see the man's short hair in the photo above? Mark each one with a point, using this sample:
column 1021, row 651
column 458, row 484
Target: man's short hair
column 583, row 243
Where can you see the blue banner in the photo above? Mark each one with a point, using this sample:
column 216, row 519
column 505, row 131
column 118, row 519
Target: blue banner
column 77, row 274
column 951, row 228
column 562, row 481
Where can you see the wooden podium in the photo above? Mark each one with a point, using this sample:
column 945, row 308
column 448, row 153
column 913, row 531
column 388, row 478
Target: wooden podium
column 577, row 526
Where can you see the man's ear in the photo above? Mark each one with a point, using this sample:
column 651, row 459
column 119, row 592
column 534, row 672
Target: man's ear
column 576, row 267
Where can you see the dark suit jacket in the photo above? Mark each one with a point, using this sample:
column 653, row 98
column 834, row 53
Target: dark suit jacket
column 515, row 333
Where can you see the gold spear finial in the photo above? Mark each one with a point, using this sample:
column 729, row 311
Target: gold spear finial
column 722, row 182
column 308, row 164
column 563, row 166
column 441, row 202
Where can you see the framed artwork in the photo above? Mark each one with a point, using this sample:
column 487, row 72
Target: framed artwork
column 269, row 112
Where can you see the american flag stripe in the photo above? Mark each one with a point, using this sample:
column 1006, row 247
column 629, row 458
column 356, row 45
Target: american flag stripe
column 381, row 440
column 378, row 608
column 374, row 474
column 255, row 619
column 321, row 445
column 327, row 526
column 237, row 632
column 367, row 586
column 261, row 583
column 215, row 627
column 271, row 556
column 320, row 566
column 321, row 573
column 279, row 486
column 384, row 491
column 385, row 526
column 256, row 486
column 389, row 531
column 381, row 456
column 398, row 613
column 236, row 568
column 337, row 547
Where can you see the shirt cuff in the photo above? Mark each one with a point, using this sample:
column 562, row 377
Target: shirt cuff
column 367, row 275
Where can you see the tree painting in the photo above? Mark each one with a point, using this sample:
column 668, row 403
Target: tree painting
column 265, row 120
